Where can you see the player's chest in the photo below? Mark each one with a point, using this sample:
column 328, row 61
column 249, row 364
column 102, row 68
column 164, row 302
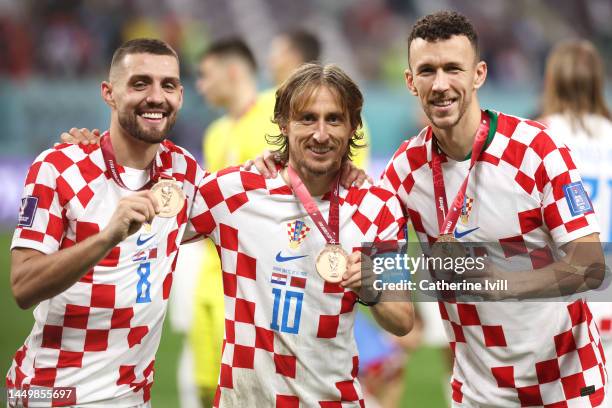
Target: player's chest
column 285, row 243
column 494, row 207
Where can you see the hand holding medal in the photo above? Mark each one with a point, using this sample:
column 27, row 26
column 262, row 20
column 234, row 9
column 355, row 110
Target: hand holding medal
column 332, row 261
column 167, row 191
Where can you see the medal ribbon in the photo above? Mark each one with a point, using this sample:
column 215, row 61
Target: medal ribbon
column 447, row 219
column 329, row 230
column 111, row 164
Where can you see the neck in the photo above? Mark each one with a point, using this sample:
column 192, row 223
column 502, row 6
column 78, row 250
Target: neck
column 243, row 99
column 129, row 151
column 317, row 185
column 457, row 141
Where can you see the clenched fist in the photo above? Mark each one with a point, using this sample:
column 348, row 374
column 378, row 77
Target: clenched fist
column 131, row 212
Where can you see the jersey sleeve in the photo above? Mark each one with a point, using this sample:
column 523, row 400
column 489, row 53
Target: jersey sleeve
column 41, row 216
column 200, row 223
column 397, row 177
column 567, row 210
column 391, row 223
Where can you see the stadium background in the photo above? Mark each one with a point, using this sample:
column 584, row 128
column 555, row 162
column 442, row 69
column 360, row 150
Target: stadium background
column 55, row 53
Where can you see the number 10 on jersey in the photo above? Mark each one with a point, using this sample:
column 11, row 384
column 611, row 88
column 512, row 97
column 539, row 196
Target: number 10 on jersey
column 287, row 310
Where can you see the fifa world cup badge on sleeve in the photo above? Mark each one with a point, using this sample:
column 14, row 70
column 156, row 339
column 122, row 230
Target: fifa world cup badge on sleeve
column 27, row 211
column 577, row 198
column 170, row 197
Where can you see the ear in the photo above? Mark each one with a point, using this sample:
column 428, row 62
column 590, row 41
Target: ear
column 233, row 71
column 480, row 74
column 410, row 82
column 182, row 93
column 106, row 90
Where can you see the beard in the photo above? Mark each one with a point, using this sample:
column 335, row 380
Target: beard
column 443, row 122
column 129, row 122
column 317, row 169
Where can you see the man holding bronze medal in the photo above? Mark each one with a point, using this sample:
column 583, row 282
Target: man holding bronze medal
column 284, row 245
column 97, row 239
column 512, row 184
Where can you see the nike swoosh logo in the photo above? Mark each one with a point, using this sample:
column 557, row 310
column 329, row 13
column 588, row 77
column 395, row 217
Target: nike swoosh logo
column 459, row 234
column 280, row 258
column 140, row 241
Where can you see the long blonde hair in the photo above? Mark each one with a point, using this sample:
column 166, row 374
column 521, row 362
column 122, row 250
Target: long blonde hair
column 574, row 83
column 295, row 93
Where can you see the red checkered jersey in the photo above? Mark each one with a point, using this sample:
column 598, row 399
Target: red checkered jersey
column 101, row 334
column 288, row 334
column 511, row 353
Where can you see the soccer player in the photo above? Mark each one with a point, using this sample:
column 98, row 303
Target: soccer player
column 227, row 80
column 288, row 332
column 523, row 189
column 97, row 238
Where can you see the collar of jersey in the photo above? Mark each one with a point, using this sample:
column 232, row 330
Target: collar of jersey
column 492, row 131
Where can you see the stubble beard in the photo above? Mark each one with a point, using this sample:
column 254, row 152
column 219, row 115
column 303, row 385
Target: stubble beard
column 315, row 171
column 129, row 123
column 462, row 110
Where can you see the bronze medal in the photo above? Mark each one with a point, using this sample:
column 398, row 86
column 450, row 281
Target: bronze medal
column 332, row 263
column 170, row 197
column 445, row 247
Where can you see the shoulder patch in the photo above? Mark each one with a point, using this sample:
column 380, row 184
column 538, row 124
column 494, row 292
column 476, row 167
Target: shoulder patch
column 577, row 198
column 27, row 211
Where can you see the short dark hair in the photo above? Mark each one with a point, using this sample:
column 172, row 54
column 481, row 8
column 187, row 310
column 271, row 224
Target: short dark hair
column 442, row 26
column 142, row 46
column 306, row 43
column 295, row 93
column 231, row 47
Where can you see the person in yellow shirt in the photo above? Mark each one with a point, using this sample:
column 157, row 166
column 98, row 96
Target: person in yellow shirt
column 288, row 51
column 227, row 80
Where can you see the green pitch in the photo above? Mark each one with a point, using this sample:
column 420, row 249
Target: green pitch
column 424, row 372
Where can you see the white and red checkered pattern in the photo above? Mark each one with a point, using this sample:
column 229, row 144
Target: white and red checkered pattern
column 288, row 342
column 95, row 336
column 510, row 353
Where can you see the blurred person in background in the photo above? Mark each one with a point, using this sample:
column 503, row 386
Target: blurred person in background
column 382, row 360
column 227, row 79
column 288, row 51
column 575, row 109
